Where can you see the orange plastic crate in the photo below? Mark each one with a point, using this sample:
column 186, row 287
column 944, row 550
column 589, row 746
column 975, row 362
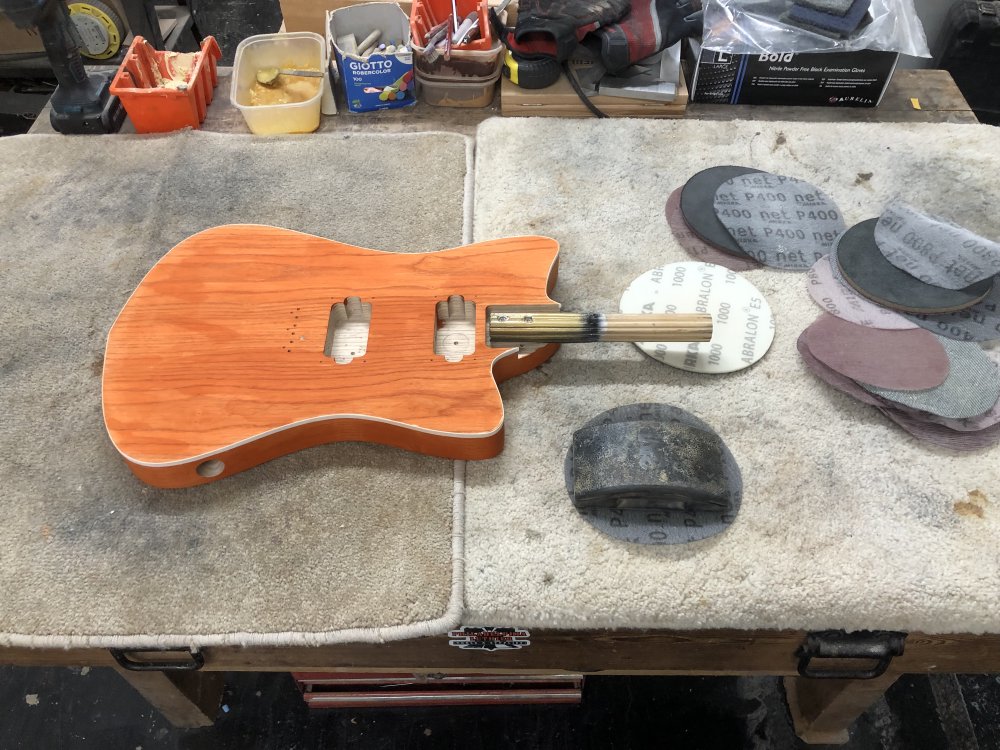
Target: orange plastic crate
column 426, row 14
column 154, row 108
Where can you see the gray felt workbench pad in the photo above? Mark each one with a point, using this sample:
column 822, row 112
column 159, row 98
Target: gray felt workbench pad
column 846, row 521
column 341, row 542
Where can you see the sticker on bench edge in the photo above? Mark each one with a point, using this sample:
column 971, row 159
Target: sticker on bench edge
column 489, row 638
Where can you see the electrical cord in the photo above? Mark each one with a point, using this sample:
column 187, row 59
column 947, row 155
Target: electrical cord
column 571, row 75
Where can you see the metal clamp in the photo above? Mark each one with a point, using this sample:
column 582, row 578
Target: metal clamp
column 879, row 645
column 196, row 662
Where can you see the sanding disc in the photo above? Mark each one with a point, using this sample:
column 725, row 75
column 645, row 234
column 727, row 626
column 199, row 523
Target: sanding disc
column 981, row 322
column 833, row 378
column 910, row 360
column 936, row 430
column 698, row 209
column 936, row 251
column 942, row 436
column 657, row 526
column 866, row 270
column 781, row 221
column 743, row 324
column 971, row 389
column 838, row 299
column 696, row 247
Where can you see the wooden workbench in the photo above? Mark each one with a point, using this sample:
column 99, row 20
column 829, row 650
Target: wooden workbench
column 934, row 91
column 821, row 709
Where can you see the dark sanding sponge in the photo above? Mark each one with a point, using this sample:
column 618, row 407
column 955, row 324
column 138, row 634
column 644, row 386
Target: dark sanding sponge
column 863, row 266
column 833, row 7
column 698, row 207
column 841, row 24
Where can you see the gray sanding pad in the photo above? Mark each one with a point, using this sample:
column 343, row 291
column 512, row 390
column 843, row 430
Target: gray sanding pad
column 781, row 221
column 825, row 30
column 935, row 250
column 650, row 464
column 843, row 23
column 697, row 207
column 645, row 526
column 910, row 360
column 971, row 389
column 833, row 7
column 695, row 246
column 867, row 271
column 981, row 322
column 837, row 298
column 743, row 326
column 970, row 424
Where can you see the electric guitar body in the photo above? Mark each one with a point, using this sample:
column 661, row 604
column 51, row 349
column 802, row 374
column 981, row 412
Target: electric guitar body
column 244, row 343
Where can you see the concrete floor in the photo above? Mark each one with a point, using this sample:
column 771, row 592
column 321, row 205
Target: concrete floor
column 74, row 708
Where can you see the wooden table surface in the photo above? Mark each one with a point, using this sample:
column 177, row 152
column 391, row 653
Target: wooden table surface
column 821, row 709
column 934, row 90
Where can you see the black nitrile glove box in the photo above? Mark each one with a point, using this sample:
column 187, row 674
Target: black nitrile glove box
column 822, row 79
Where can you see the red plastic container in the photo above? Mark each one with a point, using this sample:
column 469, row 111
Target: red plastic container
column 161, row 96
column 426, row 14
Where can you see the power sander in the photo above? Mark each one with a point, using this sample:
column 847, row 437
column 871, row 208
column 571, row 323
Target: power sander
column 81, row 103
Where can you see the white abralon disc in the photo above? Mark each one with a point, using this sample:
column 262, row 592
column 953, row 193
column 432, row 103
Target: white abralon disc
column 743, row 323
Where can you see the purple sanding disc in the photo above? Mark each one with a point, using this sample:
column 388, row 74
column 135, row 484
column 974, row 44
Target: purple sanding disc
column 695, row 246
column 912, row 360
column 833, row 378
column 840, row 300
column 944, row 435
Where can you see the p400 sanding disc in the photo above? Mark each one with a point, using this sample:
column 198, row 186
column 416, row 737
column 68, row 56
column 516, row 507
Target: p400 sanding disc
column 863, row 266
column 698, row 207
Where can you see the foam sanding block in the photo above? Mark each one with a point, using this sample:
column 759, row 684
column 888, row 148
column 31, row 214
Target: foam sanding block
column 649, row 464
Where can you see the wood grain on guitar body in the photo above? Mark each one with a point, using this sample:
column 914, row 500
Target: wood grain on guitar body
column 245, row 343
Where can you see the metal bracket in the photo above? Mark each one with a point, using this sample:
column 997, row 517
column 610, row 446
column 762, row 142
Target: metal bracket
column 196, row 662
column 878, row 645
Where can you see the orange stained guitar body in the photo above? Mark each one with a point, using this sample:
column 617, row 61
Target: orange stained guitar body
column 216, row 363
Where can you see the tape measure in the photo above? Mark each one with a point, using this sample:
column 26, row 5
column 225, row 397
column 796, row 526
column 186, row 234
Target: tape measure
column 531, row 72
